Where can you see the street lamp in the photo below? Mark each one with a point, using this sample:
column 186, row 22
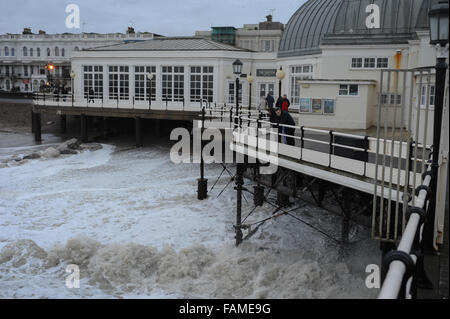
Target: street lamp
column 150, row 78
column 439, row 37
column 237, row 69
column 250, row 80
column 280, row 76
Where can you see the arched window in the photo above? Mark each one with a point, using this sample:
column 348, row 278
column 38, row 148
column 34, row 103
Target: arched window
column 48, row 52
column 38, row 51
column 56, row 51
column 76, row 49
column 31, row 51
column 63, row 52
column 25, row 51
column 13, row 52
column 6, row 51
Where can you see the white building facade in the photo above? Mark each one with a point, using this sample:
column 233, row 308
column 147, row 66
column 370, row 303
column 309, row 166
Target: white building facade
column 24, row 57
column 332, row 53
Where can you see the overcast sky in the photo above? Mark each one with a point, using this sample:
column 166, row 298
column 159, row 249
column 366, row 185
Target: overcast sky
column 166, row 17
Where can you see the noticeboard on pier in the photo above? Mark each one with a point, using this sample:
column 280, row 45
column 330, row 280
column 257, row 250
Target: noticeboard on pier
column 317, row 106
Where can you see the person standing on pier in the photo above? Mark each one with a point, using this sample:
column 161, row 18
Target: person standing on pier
column 279, row 118
column 270, row 101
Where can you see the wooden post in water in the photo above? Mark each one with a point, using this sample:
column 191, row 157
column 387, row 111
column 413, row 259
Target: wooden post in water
column 138, row 126
column 83, row 128
column 239, row 183
column 37, row 127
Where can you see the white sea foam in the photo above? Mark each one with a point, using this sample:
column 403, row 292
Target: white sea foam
column 131, row 220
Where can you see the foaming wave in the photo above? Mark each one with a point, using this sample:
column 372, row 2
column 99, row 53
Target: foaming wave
column 194, row 272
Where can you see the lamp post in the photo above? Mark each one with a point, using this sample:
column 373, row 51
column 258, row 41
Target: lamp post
column 280, row 76
column 439, row 37
column 237, row 70
column 250, row 80
column 150, row 78
column 72, row 77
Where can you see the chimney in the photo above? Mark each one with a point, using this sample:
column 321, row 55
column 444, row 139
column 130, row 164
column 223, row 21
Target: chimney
column 27, row 31
column 42, row 32
column 130, row 30
column 269, row 18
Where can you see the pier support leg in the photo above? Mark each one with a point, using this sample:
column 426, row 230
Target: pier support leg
column 347, row 210
column 258, row 197
column 63, row 122
column 32, row 122
column 138, row 126
column 239, row 183
column 322, row 191
column 105, row 127
column 158, row 128
column 84, row 128
column 37, row 127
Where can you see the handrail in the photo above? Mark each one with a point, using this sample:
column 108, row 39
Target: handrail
column 398, row 277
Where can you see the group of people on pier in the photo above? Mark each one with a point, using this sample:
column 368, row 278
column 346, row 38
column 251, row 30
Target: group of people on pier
column 279, row 116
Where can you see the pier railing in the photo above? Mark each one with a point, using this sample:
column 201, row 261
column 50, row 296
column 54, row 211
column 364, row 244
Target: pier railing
column 130, row 102
column 400, row 267
column 349, row 153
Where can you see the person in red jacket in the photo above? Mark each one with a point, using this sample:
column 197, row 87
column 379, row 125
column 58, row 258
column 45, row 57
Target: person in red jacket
column 285, row 103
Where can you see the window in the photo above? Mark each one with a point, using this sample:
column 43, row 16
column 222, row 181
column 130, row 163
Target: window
column 76, row 49
column 142, row 83
column 232, row 92
column 382, row 63
column 13, row 52
column 6, row 51
column 48, row 52
column 25, row 51
column 93, row 79
column 25, row 70
column 424, row 94
column 267, row 45
column 56, row 51
column 202, row 83
column 173, row 83
column 348, row 89
column 63, row 52
column 369, row 62
column 299, row 72
column 119, row 83
column 31, row 51
column 266, row 88
column 357, row 63
column 38, row 52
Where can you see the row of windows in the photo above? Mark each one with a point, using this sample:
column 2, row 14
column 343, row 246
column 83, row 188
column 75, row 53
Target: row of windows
column 172, row 80
column 370, row 63
column 30, row 51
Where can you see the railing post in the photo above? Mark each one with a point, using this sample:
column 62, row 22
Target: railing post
column 202, row 189
column 366, row 150
column 331, row 148
column 231, row 118
column 302, row 141
column 428, row 232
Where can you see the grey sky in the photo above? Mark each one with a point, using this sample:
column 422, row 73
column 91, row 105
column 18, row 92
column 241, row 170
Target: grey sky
column 169, row 17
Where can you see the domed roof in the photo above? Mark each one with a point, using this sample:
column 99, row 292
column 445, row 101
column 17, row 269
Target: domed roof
column 352, row 22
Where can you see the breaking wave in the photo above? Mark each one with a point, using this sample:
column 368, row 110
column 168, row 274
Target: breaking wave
column 195, row 272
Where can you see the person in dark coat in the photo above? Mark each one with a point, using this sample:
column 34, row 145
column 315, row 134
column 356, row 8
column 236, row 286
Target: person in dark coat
column 279, row 117
column 91, row 95
column 285, row 103
column 270, row 100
